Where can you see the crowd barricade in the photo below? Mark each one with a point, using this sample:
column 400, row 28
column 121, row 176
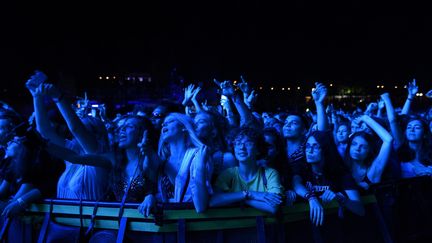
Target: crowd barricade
column 181, row 223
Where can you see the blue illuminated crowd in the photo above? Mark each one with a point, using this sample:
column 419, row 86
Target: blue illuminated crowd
column 208, row 155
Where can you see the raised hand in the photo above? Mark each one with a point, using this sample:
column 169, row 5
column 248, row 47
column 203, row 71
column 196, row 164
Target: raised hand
column 188, row 94
column 429, row 94
column 35, row 80
column 412, row 89
column 244, row 87
column 319, row 93
column 195, row 92
column 251, row 99
column 381, row 104
column 226, row 87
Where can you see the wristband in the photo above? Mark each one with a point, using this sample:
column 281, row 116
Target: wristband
column 410, row 99
column 309, row 195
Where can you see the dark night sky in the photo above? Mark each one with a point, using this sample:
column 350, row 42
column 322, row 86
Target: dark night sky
column 351, row 42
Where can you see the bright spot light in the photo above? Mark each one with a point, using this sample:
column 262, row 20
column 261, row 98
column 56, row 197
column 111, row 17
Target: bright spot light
column 271, row 88
column 298, row 87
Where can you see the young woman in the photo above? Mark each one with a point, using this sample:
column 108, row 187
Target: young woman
column 186, row 168
column 210, row 128
column 415, row 153
column 326, row 177
column 367, row 166
column 256, row 186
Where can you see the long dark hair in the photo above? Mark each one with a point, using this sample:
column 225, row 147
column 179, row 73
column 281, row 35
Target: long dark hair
column 118, row 171
column 372, row 148
column 332, row 163
column 406, row 154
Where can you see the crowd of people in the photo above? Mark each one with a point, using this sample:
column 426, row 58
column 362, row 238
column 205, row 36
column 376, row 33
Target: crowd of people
column 225, row 154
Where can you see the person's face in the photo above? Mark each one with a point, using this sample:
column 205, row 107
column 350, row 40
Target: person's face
column 414, row 131
column 271, row 147
column 14, row 148
column 157, row 117
column 245, row 149
column 171, row 128
column 313, row 150
column 293, row 127
column 342, row 134
column 203, row 125
column 129, row 133
column 359, row 148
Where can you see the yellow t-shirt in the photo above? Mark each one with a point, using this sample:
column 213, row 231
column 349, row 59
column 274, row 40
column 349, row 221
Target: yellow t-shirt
column 230, row 181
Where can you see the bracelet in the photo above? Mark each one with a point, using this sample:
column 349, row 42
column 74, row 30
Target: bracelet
column 309, row 195
column 60, row 98
column 410, row 99
column 21, row 202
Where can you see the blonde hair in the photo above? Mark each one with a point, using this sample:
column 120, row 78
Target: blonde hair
column 192, row 139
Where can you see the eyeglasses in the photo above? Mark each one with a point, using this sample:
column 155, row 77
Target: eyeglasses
column 156, row 115
column 312, row 147
column 240, row 144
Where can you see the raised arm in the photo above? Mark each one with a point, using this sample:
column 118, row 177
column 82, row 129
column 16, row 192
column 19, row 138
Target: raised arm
column 228, row 90
column 86, row 159
column 319, row 94
column 86, row 139
column 412, row 91
column 377, row 167
column 394, row 126
column 43, row 124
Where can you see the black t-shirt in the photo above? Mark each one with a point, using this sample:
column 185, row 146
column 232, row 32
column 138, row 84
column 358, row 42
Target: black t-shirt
column 321, row 183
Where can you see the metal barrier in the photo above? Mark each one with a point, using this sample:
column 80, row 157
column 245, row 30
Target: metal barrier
column 177, row 218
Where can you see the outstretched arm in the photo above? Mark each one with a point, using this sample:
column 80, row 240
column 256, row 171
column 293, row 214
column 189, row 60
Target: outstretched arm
column 412, row 91
column 394, row 126
column 319, row 94
column 377, row 167
column 43, row 125
column 86, row 139
column 87, row 159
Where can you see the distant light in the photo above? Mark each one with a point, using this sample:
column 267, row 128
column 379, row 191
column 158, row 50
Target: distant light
column 313, row 89
column 283, row 88
column 331, row 85
column 128, row 78
column 107, row 77
column 420, row 94
column 307, row 109
column 298, row 87
column 114, row 77
column 395, row 87
column 289, row 88
column 149, row 79
column 378, row 86
column 405, row 87
column 140, row 79
column 261, row 87
column 271, row 88
column 235, row 81
column 100, row 77
column 382, row 86
column 361, row 100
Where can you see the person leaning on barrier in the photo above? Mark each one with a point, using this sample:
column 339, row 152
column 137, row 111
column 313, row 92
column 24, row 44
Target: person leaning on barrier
column 186, row 169
column 249, row 183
